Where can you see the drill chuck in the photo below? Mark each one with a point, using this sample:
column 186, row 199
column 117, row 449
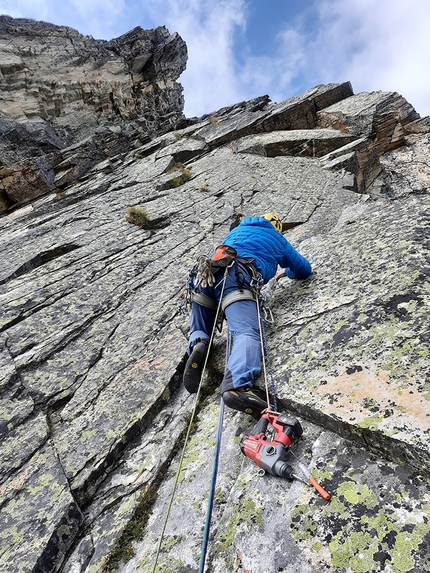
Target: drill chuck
column 284, row 470
column 272, row 461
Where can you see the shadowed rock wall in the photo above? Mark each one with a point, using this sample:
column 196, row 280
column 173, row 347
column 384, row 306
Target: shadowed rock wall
column 60, row 88
column 92, row 339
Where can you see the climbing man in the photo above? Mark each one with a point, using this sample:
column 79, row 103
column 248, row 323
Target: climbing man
column 258, row 247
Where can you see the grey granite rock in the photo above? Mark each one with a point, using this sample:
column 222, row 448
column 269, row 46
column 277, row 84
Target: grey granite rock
column 93, row 332
column 69, row 101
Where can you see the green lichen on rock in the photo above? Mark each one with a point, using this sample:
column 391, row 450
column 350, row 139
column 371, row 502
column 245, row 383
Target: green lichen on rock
column 355, row 552
column 308, row 526
column 244, row 513
column 371, row 422
column 42, row 493
column 369, row 530
column 171, row 564
column 357, row 493
column 194, row 458
column 95, row 338
column 406, row 547
column 166, row 562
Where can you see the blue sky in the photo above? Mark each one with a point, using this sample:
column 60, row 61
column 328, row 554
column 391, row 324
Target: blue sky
column 241, row 49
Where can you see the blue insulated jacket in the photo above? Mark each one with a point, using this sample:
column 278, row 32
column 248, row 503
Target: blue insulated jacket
column 256, row 238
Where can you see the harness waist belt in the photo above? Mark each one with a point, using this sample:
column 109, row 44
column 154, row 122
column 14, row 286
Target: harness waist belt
column 244, row 294
column 203, row 299
column 247, row 266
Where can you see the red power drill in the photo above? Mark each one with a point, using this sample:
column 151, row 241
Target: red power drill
column 270, row 456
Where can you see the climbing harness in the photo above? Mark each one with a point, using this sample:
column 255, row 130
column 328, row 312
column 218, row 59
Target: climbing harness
column 203, row 275
column 236, row 295
column 202, row 299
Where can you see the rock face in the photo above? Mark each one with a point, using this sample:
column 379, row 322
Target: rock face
column 69, row 101
column 93, row 333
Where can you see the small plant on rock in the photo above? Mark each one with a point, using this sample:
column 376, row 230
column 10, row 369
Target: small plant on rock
column 183, row 178
column 138, row 217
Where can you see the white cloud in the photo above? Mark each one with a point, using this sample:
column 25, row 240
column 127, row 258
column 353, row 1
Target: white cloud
column 208, row 28
column 274, row 75
column 378, row 45
column 34, row 9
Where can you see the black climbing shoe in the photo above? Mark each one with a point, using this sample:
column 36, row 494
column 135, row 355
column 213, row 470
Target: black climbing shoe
column 244, row 401
column 194, row 366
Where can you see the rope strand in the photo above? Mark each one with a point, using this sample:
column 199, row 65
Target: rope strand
column 189, row 429
column 269, row 365
column 214, row 470
column 211, row 498
column 265, row 357
column 263, row 351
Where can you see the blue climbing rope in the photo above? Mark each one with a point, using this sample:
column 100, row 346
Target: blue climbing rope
column 193, row 414
column 211, row 498
column 212, row 490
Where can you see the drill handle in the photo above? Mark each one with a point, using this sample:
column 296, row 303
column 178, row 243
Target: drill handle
column 260, row 427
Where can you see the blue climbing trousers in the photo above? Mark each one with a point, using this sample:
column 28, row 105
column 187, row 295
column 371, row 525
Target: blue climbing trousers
column 244, row 361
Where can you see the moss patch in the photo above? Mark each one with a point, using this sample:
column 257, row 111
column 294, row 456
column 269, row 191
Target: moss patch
column 181, row 179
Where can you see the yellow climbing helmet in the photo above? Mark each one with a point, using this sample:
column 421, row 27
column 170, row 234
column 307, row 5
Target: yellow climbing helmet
column 275, row 220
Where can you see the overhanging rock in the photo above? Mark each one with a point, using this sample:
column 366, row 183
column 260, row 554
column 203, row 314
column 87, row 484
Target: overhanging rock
column 296, row 142
column 299, row 112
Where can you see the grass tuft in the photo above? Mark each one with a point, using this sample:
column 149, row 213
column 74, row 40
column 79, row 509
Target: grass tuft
column 138, row 217
column 183, row 178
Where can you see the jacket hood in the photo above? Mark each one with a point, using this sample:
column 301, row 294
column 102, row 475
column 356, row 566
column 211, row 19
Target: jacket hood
column 257, row 222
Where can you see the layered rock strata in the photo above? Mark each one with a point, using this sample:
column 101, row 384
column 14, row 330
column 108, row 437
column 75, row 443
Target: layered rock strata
column 69, row 101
